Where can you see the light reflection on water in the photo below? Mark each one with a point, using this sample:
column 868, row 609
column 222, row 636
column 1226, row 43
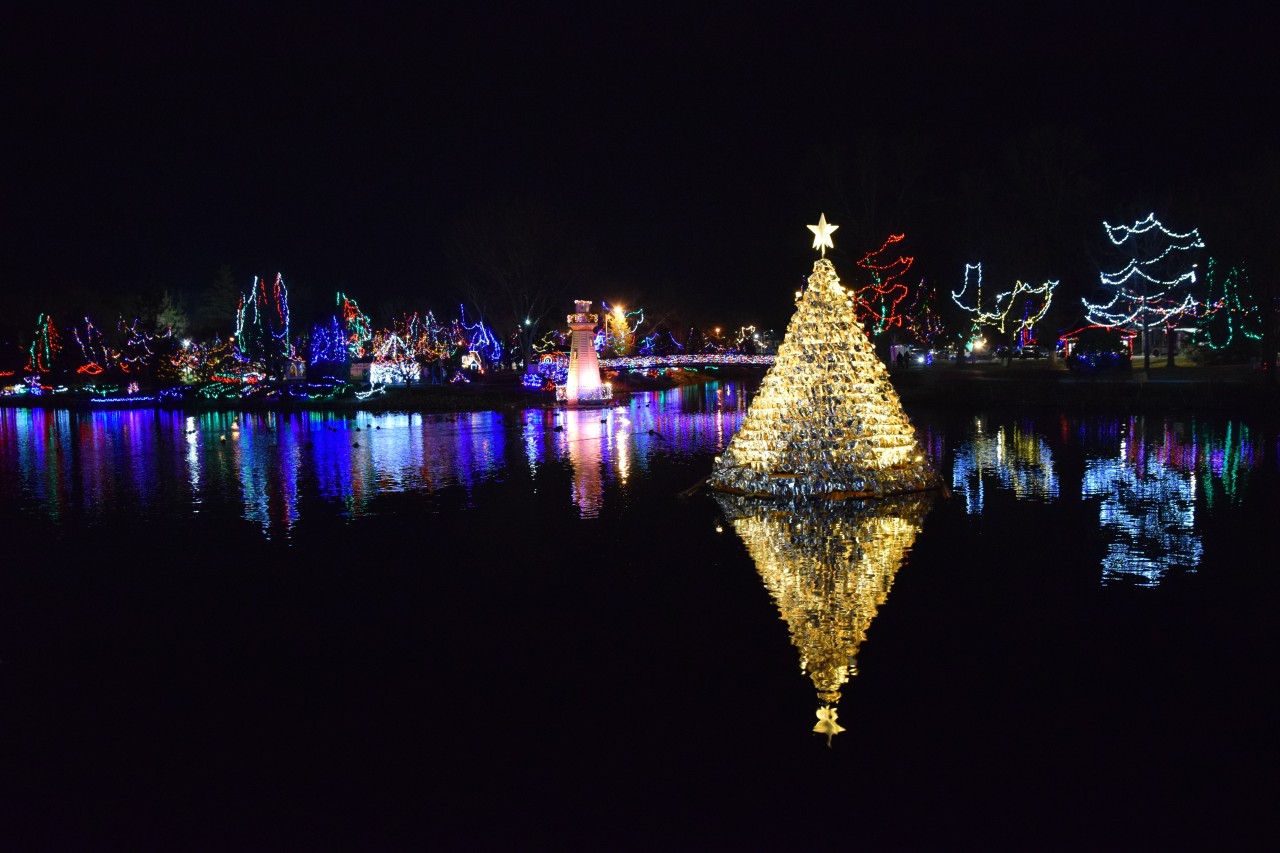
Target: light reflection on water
column 1017, row 458
column 1148, row 475
column 828, row 566
column 89, row 466
column 1151, row 478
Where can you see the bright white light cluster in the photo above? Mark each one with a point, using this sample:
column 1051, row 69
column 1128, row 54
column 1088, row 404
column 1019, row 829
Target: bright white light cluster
column 1153, row 287
column 1147, row 508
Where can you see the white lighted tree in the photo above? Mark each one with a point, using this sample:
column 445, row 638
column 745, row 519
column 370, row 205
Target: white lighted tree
column 1154, row 288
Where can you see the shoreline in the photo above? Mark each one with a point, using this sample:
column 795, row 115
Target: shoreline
column 1180, row 388
column 981, row 385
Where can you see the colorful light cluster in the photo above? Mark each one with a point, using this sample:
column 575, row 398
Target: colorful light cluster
column 97, row 357
column 1230, row 316
column 480, row 338
column 879, row 303
column 921, row 320
column 262, row 325
column 359, row 329
column 618, row 331
column 45, row 347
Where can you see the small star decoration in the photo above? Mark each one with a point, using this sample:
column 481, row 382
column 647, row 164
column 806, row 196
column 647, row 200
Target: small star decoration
column 822, row 234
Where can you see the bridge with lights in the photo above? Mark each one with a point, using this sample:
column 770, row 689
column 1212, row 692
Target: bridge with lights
column 709, row 359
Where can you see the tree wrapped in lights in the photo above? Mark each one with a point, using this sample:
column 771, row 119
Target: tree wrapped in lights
column 98, row 358
column 826, row 420
column 881, row 302
column 262, row 326
column 618, row 332
column 1230, row 324
column 436, row 344
column 45, row 346
column 922, row 322
column 394, row 361
column 478, row 339
column 327, row 353
column 1011, row 314
column 357, row 325
column 147, row 353
column 1153, row 288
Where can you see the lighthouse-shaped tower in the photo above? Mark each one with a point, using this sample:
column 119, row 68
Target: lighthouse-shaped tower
column 583, row 384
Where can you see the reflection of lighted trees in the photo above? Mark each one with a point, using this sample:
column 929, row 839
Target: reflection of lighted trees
column 1148, row 506
column 1149, row 484
column 828, row 566
column 1018, row 458
column 1149, row 510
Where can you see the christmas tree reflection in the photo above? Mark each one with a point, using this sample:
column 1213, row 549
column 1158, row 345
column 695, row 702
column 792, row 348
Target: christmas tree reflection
column 829, row 566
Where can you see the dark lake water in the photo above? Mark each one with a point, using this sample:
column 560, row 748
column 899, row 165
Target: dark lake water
column 515, row 631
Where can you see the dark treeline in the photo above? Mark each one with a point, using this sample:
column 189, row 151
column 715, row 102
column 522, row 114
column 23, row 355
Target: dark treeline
column 1029, row 207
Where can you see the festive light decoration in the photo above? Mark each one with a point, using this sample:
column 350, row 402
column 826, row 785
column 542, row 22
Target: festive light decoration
column 45, row 347
column 822, row 235
column 921, row 320
column 826, row 420
column 262, row 325
column 618, row 332
column 358, row 327
column 480, row 338
column 1026, row 302
column 1230, row 316
column 879, row 303
column 142, row 349
column 647, row 362
column 551, row 370
column 1154, row 287
column 582, row 382
column 97, row 357
column 394, row 363
column 327, row 345
column 433, row 341
column 829, row 566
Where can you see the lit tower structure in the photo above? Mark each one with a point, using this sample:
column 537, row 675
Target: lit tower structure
column 826, row 421
column 582, row 384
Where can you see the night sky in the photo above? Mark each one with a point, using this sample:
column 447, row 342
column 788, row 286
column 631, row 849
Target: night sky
column 689, row 148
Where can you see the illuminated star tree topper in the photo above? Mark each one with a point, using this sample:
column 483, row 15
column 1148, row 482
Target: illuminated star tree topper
column 822, row 234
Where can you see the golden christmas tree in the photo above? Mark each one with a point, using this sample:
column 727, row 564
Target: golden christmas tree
column 826, row 421
column 829, row 566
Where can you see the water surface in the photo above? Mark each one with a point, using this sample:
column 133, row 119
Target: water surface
column 487, row 630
